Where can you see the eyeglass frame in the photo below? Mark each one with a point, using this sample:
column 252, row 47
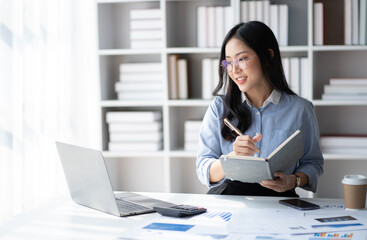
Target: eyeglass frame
column 225, row 63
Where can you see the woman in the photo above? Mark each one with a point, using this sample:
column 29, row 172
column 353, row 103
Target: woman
column 259, row 101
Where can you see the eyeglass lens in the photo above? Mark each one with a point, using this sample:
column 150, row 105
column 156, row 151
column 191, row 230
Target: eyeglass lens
column 229, row 66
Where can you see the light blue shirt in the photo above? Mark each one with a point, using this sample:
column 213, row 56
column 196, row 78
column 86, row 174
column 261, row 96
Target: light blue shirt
column 279, row 117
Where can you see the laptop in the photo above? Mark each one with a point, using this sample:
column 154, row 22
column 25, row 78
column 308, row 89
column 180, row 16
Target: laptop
column 89, row 184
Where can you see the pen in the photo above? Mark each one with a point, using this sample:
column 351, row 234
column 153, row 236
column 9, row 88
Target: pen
column 236, row 130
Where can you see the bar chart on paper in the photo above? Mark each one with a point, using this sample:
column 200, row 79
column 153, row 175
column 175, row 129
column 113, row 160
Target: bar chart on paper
column 226, row 216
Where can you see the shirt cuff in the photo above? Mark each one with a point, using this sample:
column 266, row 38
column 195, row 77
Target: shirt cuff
column 208, row 183
column 312, row 177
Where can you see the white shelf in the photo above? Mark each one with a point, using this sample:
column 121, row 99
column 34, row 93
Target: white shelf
column 183, row 50
column 179, row 37
column 117, row 103
column 125, row 1
column 339, row 48
column 182, row 154
column 344, row 157
column 293, row 48
column 191, row 50
column 113, row 52
column 117, row 154
column 189, row 103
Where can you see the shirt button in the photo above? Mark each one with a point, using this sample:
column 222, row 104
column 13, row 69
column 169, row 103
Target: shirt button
column 258, row 113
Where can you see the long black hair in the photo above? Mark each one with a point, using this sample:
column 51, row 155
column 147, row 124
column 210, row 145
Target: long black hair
column 259, row 38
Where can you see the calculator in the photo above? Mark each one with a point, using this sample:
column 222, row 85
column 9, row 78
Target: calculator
column 180, row 210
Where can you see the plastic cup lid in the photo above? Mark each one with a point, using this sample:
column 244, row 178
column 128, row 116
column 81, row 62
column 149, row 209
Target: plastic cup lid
column 354, row 180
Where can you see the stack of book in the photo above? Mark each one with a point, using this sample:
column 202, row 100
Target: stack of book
column 296, row 73
column 177, row 71
column 134, row 130
column 210, row 77
column 139, row 81
column 344, row 144
column 146, row 28
column 346, row 89
column 213, row 23
column 276, row 16
column 192, row 131
column 355, row 22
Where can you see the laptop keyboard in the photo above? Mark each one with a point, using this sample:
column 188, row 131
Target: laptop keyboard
column 129, row 207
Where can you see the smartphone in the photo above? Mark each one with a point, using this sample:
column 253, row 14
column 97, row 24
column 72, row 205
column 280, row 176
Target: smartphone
column 299, row 204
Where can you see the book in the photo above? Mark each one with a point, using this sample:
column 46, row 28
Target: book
column 140, row 95
column 206, row 84
column 285, row 62
column 344, row 97
column 355, row 22
column 318, row 23
column 136, row 136
column 252, row 10
column 345, row 89
column 215, row 75
column 191, row 146
column 348, row 81
column 211, row 27
column 347, row 22
column 137, row 86
column 244, row 11
column 362, row 21
column 219, row 26
column 228, row 16
column 283, row 24
column 153, row 13
column 146, row 24
column 146, row 44
column 153, row 34
column 349, row 141
column 141, row 146
column 138, row 67
column 259, row 11
column 192, row 136
column 172, row 76
column 141, row 77
column 306, row 85
column 133, row 116
column 256, row 169
column 274, row 20
column 266, row 12
column 194, row 125
column 182, row 79
column 202, row 30
column 294, row 74
column 134, row 127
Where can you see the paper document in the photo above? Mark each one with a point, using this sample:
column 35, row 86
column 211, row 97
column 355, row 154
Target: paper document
column 291, row 221
column 209, row 225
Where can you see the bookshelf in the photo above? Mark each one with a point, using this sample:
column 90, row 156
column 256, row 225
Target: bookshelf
column 172, row 169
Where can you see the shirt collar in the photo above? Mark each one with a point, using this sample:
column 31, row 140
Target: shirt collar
column 273, row 98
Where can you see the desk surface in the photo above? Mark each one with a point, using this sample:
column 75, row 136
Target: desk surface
column 63, row 219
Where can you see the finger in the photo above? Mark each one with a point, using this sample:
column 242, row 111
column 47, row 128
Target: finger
column 257, row 138
column 246, row 141
column 279, row 174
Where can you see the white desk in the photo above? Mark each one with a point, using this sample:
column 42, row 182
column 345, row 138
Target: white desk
column 63, row 219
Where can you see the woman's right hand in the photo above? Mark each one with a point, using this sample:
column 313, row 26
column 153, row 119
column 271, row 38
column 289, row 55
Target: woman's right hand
column 245, row 145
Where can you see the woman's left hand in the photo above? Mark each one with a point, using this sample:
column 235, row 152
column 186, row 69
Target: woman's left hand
column 281, row 184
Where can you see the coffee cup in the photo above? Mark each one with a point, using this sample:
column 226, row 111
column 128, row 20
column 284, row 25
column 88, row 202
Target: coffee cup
column 355, row 191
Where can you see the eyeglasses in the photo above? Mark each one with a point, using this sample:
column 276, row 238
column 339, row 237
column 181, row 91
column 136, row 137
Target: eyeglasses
column 241, row 63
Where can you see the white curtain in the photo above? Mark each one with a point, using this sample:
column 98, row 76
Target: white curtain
column 49, row 90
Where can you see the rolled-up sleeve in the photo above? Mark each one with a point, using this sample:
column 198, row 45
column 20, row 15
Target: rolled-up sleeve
column 209, row 142
column 312, row 162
